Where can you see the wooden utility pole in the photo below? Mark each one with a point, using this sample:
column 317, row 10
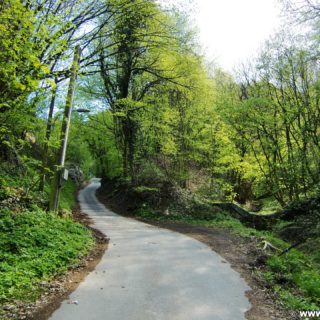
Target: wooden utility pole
column 57, row 180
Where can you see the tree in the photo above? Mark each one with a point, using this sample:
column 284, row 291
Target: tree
column 20, row 72
column 304, row 11
column 276, row 115
column 131, row 64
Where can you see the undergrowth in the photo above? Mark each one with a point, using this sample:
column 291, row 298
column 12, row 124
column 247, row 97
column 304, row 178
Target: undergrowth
column 68, row 195
column 34, row 247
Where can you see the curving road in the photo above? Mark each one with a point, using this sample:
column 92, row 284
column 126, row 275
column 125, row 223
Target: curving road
column 149, row 273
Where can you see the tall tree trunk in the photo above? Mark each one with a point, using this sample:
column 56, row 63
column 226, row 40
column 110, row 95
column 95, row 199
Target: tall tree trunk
column 48, row 135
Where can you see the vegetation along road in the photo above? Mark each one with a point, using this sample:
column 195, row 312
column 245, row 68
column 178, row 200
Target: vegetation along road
column 152, row 273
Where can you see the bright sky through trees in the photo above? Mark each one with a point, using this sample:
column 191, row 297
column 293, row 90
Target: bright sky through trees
column 232, row 31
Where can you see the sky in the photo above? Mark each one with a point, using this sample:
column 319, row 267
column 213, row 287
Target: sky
column 232, row 31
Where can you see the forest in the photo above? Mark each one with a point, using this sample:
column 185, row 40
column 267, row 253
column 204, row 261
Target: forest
column 167, row 131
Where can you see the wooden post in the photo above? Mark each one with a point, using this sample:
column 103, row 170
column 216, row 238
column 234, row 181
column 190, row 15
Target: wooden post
column 56, row 186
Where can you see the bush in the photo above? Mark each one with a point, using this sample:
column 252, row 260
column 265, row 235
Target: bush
column 149, row 174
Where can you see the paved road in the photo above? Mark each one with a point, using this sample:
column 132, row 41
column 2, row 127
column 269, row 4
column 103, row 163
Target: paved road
column 149, row 273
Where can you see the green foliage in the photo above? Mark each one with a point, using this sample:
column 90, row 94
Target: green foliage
column 19, row 187
column 20, row 73
column 148, row 173
column 96, row 138
column 294, row 301
column 299, row 280
column 146, row 212
column 270, row 206
column 20, row 67
column 68, row 195
column 293, row 262
column 36, row 246
column 309, row 282
column 79, row 153
column 266, row 123
column 196, row 213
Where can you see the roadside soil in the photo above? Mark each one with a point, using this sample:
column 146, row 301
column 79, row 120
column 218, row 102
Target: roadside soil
column 244, row 255
column 59, row 289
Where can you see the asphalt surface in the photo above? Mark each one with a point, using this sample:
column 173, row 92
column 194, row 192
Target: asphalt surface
column 149, row 273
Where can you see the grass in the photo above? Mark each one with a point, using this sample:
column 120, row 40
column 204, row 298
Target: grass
column 270, row 206
column 296, row 280
column 35, row 246
column 68, row 195
column 292, row 276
